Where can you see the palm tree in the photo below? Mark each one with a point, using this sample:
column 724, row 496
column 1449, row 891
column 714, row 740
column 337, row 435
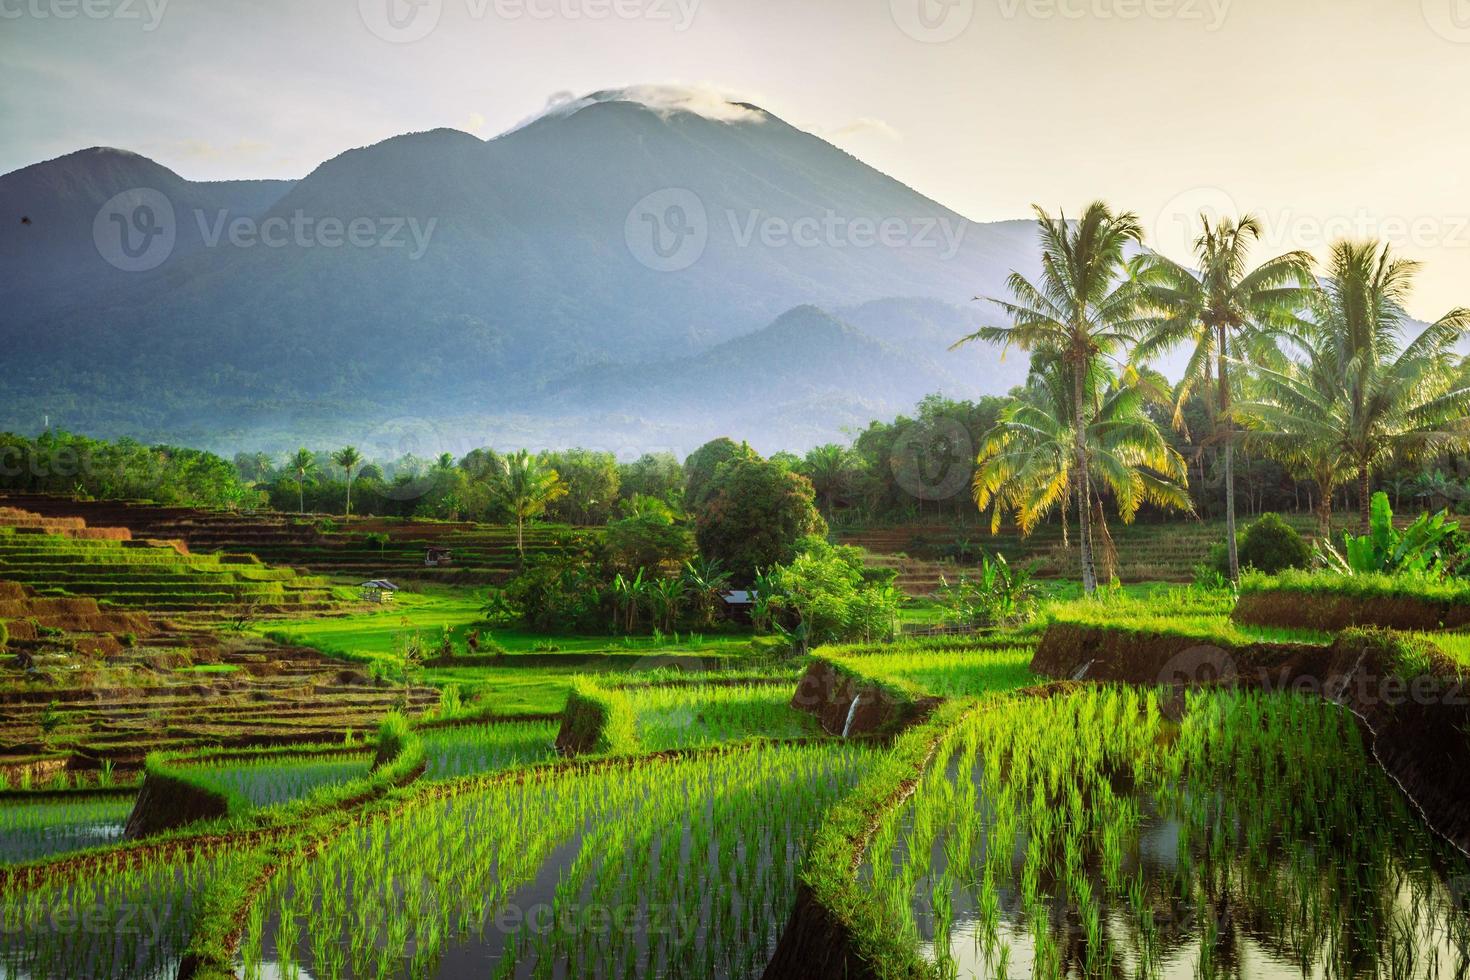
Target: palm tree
column 1084, row 308
column 301, row 464
column 348, row 458
column 1360, row 393
column 1217, row 311
column 833, row 470
column 524, row 486
column 1027, row 462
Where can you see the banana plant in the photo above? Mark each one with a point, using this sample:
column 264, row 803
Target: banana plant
column 1427, row 546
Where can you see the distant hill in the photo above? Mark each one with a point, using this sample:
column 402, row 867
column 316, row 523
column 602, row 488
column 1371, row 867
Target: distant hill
column 507, row 285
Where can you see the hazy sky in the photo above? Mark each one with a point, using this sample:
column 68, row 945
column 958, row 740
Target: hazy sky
column 1326, row 117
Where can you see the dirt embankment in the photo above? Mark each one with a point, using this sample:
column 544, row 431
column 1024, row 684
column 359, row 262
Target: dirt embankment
column 1331, row 613
column 816, row 945
column 1417, row 723
column 167, row 803
column 829, row 694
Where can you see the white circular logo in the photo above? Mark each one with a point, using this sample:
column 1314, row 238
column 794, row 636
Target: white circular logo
column 668, row 230
column 932, row 21
column 1177, row 225
column 401, row 21
column 1199, row 665
column 1450, row 19
column 135, row 231
column 934, row 461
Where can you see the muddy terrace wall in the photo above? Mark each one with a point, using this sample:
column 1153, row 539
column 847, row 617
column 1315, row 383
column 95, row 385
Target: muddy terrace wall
column 829, row 693
column 1293, row 609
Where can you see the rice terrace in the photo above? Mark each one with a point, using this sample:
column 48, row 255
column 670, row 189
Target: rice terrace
column 458, row 526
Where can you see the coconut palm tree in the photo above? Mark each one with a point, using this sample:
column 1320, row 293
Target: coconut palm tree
column 525, row 486
column 1358, row 391
column 302, row 463
column 1219, row 310
column 1027, row 465
column 1083, row 308
column 834, row 472
column 348, row 458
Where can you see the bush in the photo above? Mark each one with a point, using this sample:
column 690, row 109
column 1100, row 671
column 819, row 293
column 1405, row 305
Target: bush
column 823, row 595
column 1271, row 545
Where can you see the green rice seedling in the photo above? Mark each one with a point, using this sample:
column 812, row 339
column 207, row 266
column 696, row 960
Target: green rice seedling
column 958, row 672
column 1149, row 844
column 36, row 829
column 116, row 917
column 469, row 749
column 275, row 778
column 649, row 865
column 670, row 717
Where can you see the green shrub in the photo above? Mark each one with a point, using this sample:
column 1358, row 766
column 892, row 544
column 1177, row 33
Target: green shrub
column 1000, row 596
column 1271, row 545
column 4, row 635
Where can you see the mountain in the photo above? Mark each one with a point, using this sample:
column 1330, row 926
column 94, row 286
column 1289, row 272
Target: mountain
column 48, row 212
column 524, row 277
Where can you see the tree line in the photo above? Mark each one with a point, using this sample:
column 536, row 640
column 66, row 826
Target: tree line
column 1324, row 372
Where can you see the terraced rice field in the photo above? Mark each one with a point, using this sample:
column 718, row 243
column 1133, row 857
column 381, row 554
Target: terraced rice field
column 156, row 577
column 480, row 552
column 658, row 867
column 111, row 917
column 1089, row 835
column 275, row 695
column 467, row 750
column 55, row 823
column 265, row 780
column 680, row 716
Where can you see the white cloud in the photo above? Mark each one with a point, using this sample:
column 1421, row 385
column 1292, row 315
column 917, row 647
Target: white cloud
column 701, row 100
column 865, row 126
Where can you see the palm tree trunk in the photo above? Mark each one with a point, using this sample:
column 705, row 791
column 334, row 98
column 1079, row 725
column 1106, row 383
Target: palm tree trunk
column 1084, row 518
column 1229, row 424
column 301, row 496
column 1365, row 500
column 1230, row 545
column 349, row 494
column 1066, row 537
